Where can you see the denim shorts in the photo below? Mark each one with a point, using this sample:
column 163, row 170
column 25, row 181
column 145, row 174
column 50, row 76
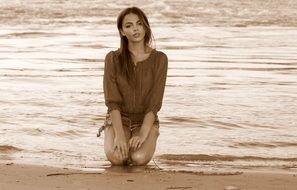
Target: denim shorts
column 126, row 121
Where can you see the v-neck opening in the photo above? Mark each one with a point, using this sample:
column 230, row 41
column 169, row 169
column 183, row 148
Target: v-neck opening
column 150, row 55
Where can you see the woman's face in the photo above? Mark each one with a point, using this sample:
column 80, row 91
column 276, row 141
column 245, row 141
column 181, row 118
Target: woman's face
column 132, row 28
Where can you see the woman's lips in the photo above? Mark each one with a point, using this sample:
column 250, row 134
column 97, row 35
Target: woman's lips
column 136, row 35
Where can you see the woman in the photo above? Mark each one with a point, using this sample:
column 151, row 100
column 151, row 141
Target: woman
column 134, row 82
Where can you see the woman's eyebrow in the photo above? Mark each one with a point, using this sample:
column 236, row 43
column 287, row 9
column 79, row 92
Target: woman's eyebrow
column 132, row 22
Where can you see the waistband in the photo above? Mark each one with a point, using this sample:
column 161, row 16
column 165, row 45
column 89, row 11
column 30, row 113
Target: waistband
column 134, row 117
column 132, row 124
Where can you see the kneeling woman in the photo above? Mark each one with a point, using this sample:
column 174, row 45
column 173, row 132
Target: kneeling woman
column 134, row 82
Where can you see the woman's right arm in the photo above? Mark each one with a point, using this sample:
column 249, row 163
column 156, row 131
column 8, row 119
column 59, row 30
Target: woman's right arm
column 112, row 95
column 120, row 142
column 113, row 100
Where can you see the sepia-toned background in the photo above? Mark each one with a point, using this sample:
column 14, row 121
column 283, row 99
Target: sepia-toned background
column 231, row 93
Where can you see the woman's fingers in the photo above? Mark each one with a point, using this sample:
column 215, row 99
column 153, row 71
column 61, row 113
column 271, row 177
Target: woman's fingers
column 135, row 143
column 132, row 143
column 139, row 145
column 115, row 147
column 121, row 151
column 125, row 151
column 117, row 152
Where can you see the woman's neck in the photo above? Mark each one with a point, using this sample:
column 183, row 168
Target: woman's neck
column 137, row 48
column 139, row 52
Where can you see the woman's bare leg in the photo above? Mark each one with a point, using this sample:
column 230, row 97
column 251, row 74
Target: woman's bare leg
column 144, row 154
column 108, row 145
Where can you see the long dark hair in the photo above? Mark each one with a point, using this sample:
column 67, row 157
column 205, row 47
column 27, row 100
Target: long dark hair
column 127, row 67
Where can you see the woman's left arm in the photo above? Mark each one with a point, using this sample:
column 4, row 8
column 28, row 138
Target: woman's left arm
column 147, row 124
column 157, row 92
column 155, row 102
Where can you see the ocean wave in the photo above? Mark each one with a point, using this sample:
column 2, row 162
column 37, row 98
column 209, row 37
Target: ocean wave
column 255, row 69
column 46, row 76
column 68, row 133
column 188, row 121
column 31, row 34
column 265, row 145
column 215, row 13
column 9, row 149
column 211, row 158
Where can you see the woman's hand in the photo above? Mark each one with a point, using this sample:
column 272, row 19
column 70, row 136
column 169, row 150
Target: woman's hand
column 136, row 142
column 120, row 147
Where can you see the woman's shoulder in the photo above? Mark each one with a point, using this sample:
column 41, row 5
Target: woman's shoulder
column 112, row 56
column 160, row 55
column 159, row 52
column 113, row 53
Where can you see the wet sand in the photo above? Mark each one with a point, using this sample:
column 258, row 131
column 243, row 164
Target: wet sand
column 31, row 177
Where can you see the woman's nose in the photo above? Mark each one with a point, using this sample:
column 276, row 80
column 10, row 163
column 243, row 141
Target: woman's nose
column 135, row 28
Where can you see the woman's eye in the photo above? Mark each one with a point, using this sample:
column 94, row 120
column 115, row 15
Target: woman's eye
column 128, row 26
column 140, row 23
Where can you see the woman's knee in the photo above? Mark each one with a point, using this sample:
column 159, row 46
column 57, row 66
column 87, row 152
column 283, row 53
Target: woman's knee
column 117, row 162
column 113, row 159
column 140, row 158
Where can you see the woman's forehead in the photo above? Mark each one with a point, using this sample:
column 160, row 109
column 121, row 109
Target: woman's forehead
column 131, row 17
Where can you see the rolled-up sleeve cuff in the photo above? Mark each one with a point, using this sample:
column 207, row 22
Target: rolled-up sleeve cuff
column 153, row 109
column 113, row 106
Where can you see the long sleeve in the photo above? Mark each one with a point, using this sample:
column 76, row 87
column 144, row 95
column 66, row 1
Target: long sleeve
column 113, row 98
column 157, row 91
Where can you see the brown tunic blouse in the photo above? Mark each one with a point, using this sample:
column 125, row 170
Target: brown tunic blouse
column 150, row 75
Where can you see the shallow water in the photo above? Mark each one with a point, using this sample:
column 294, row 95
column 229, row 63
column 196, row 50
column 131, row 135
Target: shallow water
column 231, row 93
